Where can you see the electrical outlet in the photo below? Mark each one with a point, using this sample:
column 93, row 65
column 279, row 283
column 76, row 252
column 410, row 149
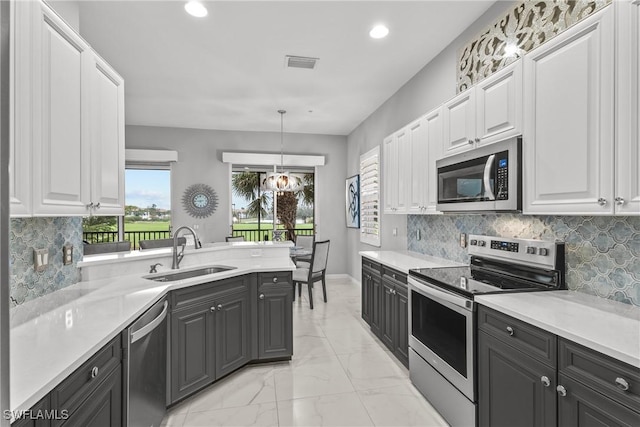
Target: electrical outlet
column 395, row 231
column 67, row 254
column 463, row 240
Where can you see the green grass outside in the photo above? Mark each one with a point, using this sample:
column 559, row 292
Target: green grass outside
column 147, row 226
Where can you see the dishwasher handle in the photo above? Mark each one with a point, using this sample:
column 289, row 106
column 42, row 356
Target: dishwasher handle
column 149, row 327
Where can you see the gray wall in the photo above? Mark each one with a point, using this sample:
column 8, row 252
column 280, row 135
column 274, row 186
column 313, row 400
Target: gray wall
column 200, row 161
column 430, row 87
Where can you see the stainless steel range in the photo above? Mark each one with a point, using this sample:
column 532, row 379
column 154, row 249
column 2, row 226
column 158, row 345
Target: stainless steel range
column 442, row 314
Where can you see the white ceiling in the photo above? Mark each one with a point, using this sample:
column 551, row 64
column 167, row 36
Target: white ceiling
column 226, row 71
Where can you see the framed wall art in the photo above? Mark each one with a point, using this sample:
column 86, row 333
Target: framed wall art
column 353, row 201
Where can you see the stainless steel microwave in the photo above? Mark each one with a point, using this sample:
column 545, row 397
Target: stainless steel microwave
column 488, row 178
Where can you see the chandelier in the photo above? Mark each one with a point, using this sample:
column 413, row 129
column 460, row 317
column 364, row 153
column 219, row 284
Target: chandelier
column 282, row 181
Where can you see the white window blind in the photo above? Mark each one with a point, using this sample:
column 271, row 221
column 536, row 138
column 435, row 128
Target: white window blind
column 370, row 197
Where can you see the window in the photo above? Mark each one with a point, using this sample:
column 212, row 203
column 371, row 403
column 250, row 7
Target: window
column 147, row 212
column 252, row 207
column 370, row 197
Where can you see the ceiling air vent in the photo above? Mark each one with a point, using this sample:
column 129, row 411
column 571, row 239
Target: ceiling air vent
column 300, row 62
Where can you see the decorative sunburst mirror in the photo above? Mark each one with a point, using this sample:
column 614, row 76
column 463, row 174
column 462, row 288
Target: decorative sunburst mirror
column 200, row 200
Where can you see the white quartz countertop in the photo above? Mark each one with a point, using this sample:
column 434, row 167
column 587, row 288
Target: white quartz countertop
column 49, row 347
column 610, row 327
column 405, row 260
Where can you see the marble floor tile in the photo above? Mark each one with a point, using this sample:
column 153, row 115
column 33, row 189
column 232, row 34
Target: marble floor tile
column 311, row 377
column 249, row 386
column 173, row 419
column 401, row 405
column 263, row 415
column 329, row 410
column 351, row 340
column 373, row 369
column 310, row 346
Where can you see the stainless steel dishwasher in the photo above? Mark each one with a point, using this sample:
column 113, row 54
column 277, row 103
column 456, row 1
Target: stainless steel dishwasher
column 146, row 368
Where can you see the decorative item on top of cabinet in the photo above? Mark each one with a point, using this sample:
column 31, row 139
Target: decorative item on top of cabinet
column 68, row 124
column 627, row 185
column 487, row 112
column 569, row 110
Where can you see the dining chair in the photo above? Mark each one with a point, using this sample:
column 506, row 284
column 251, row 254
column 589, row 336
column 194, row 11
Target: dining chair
column 316, row 273
column 304, row 242
column 234, row 238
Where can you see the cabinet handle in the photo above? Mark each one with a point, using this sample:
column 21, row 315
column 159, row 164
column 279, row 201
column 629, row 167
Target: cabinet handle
column 213, row 308
column 261, row 296
column 545, row 381
column 622, row 384
column 602, row 201
column 477, row 139
column 94, row 372
column 219, row 306
column 510, row 330
column 275, row 280
column 470, row 141
column 97, row 206
column 620, row 201
column 561, row 390
column 90, row 205
column 393, row 275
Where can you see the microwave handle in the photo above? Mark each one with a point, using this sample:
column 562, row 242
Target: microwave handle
column 488, row 191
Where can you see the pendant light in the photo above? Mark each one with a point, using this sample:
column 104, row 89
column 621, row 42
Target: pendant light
column 282, row 181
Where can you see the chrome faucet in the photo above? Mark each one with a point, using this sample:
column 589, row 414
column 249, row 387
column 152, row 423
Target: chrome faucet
column 177, row 257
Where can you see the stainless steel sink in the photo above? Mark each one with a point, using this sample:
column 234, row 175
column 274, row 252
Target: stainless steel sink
column 188, row 274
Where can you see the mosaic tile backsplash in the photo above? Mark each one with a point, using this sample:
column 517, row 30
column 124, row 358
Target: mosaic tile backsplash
column 602, row 253
column 27, row 234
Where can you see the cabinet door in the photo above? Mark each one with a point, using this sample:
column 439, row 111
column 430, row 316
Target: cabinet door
column 417, row 163
column 376, row 304
column 232, row 332
column 42, row 405
column 511, row 386
column 460, row 123
column 434, row 126
column 103, row 407
column 568, row 147
column 628, row 108
column 20, row 125
column 107, row 140
column 403, row 170
column 390, row 170
column 60, row 123
column 401, row 341
column 275, row 321
column 583, row 406
column 499, row 105
column 387, row 331
column 367, row 285
column 192, row 346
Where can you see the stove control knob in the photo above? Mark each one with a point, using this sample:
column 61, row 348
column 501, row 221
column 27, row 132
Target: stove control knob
column 543, row 251
column 482, row 243
column 473, row 242
column 531, row 250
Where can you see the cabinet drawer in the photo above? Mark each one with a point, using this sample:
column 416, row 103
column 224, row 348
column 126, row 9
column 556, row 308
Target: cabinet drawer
column 607, row 375
column 394, row 274
column 372, row 265
column 523, row 336
column 197, row 294
column 276, row 278
column 78, row 386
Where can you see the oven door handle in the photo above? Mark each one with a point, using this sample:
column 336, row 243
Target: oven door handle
column 488, row 191
column 441, row 295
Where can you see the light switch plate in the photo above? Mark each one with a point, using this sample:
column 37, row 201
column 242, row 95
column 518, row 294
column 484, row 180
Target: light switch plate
column 67, row 254
column 463, row 240
column 40, row 259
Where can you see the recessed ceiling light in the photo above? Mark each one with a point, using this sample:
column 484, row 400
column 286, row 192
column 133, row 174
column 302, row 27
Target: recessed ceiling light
column 195, row 8
column 379, row 32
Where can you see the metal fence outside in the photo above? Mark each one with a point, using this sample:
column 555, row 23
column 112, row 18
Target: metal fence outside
column 133, row 237
column 257, row 235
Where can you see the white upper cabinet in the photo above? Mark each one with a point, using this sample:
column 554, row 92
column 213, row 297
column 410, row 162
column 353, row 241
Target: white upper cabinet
column 418, row 158
column 568, row 110
column 487, row 112
column 107, row 137
column 627, row 185
column 68, row 114
column 396, row 149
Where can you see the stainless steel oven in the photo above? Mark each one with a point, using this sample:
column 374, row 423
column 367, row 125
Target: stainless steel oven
column 442, row 314
column 488, row 178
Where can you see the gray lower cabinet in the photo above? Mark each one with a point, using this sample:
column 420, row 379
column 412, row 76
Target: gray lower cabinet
column 372, row 295
column 531, row 377
column 210, row 333
column 394, row 331
column 32, row 418
column 275, row 316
